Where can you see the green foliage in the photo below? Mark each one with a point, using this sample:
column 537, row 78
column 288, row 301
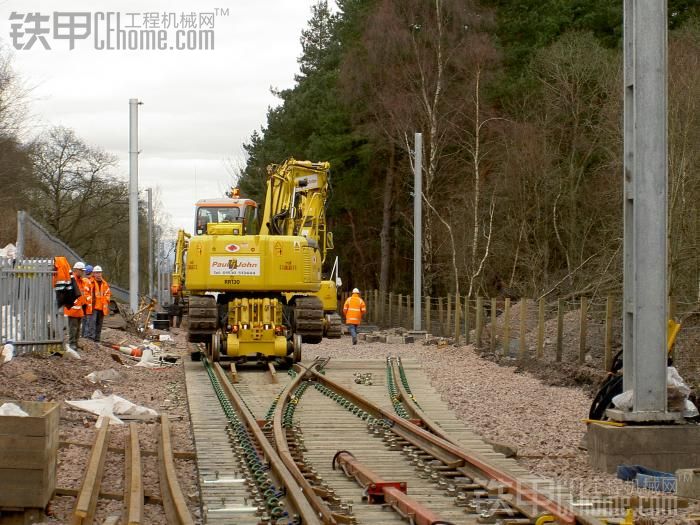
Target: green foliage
column 526, row 25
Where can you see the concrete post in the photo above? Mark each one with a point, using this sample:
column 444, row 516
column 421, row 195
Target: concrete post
column 133, row 204
column 645, row 202
column 150, row 241
column 417, row 229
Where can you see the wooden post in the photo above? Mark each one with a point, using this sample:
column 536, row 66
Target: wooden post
column 608, row 332
column 467, row 328
column 458, row 321
column 583, row 328
column 390, row 322
column 399, row 310
column 493, row 325
column 479, row 320
column 448, row 316
column 441, row 316
column 377, row 307
column 427, row 313
column 505, row 344
column 409, row 313
column 672, row 307
column 560, row 328
column 523, row 327
column 540, row 329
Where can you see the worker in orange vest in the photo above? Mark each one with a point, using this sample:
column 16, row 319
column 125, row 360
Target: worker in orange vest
column 76, row 312
column 100, row 308
column 353, row 310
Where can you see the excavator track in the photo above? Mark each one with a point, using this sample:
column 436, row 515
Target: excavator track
column 308, row 319
column 333, row 326
column 202, row 318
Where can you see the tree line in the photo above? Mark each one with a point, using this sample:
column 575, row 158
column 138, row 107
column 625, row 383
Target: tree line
column 67, row 184
column 520, row 106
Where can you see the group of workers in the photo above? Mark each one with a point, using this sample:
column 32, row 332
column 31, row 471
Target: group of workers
column 90, row 307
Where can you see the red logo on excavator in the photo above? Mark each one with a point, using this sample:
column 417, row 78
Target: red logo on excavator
column 232, row 248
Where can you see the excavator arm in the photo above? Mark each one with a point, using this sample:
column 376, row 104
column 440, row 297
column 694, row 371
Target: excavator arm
column 295, row 202
column 177, row 282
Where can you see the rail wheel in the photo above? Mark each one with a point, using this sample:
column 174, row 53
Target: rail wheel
column 215, row 346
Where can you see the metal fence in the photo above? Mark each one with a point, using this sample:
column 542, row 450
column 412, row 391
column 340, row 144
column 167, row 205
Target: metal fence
column 29, row 317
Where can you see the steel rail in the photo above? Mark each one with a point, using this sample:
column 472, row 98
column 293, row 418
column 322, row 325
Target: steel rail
column 296, row 493
column 392, row 493
column 441, row 448
column 280, row 439
column 414, row 409
column 174, row 502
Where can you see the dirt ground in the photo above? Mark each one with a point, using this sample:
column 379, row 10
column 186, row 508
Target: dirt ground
column 34, row 377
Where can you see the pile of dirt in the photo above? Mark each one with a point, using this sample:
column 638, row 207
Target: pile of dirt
column 32, row 377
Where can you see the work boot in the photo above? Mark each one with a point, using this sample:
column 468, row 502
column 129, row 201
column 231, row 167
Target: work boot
column 354, row 340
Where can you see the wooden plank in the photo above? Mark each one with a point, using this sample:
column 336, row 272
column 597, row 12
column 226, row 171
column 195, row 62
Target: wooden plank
column 148, row 499
column 133, row 480
column 119, row 450
column 458, row 321
column 234, row 373
column 43, row 419
column 173, row 500
column 273, row 372
column 441, row 316
column 84, row 511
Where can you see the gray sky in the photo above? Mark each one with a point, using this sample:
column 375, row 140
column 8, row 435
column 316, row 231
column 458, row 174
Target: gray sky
column 199, row 105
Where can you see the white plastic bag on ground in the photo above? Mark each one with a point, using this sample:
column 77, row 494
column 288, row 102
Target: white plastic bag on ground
column 623, row 401
column 8, row 352
column 689, row 409
column 103, row 375
column 113, row 407
column 10, row 409
column 69, row 352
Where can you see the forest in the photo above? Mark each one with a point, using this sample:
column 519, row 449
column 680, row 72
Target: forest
column 520, row 107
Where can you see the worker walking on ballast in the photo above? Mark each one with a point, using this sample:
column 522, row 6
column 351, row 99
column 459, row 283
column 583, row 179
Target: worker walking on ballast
column 353, row 310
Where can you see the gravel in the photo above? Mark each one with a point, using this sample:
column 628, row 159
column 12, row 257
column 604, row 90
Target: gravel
column 34, row 377
column 507, row 405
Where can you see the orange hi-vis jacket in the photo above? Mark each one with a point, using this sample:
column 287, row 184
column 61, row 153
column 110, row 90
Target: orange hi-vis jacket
column 89, row 296
column 101, row 296
column 354, row 309
column 81, row 302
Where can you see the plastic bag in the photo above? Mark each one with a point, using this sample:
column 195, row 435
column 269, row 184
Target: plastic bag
column 8, row 352
column 113, row 407
column 689, row 409
column 103, row 375
column 69, row 352
column 10, row 409
column 623, row 401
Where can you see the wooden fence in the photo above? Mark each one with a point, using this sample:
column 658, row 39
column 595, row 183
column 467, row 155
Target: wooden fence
column 579, row 330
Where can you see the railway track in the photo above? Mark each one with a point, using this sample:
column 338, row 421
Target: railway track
column 133, row 496
column 366, row 442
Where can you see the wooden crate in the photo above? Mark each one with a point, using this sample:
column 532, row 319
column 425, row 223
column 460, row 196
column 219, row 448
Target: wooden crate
column 28, row 450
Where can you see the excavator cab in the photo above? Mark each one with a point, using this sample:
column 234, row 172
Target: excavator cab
column 226, row 216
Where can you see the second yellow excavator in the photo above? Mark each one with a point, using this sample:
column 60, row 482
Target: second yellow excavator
column 252, row 293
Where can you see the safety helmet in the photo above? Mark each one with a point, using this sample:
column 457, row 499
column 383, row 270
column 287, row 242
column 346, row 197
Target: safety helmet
column 88, row 269
column 97, row 269
column 79, row 266
column 355, row 290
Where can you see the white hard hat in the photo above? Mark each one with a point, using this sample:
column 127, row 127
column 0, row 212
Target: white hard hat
column 97, row 269
column 79, row 266
column 355, row 290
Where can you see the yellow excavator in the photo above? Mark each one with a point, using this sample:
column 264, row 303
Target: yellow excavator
column 254, row 295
